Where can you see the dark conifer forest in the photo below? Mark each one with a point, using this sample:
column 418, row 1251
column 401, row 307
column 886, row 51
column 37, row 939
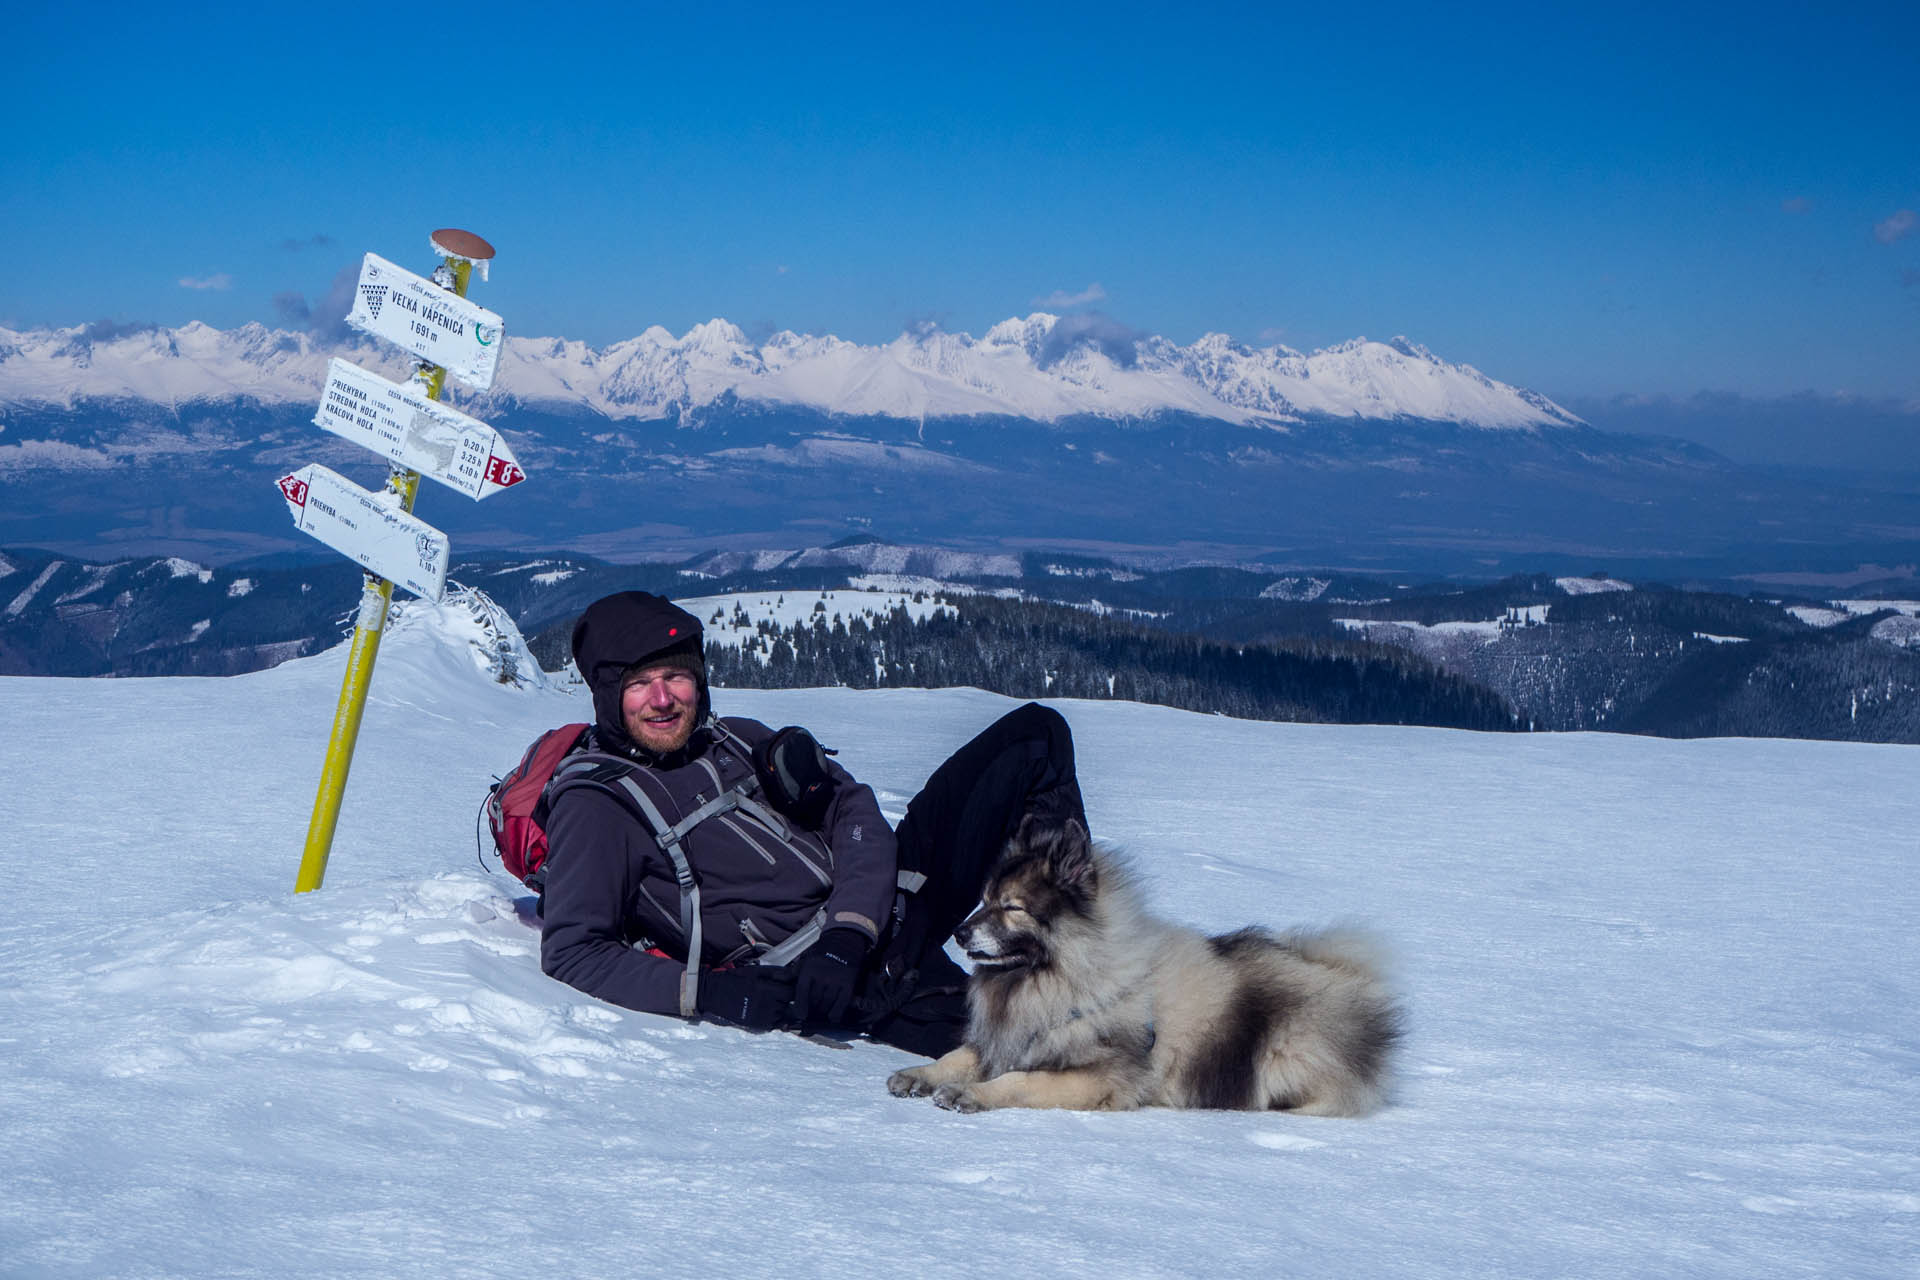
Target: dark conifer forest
column 1030, row 649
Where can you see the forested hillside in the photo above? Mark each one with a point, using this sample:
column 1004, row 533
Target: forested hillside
column 1030, row 649
column 1529, row 652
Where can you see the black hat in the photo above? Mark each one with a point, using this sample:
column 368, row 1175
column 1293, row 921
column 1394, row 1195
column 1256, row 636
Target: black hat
column 629, row 629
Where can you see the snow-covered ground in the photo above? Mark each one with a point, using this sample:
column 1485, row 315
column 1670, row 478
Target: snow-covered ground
column 734, row 618
column 1901, row 629
column 1814, row 616
column 1840, row 610
column 1591, row 586
column 730, row 620
column 1662, row 998
column 1531, row 615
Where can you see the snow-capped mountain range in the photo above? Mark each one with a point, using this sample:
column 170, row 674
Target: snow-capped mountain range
column 1045, row 432
column 1034, row 368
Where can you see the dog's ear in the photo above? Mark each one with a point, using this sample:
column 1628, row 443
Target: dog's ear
column 1031, row 831
column 1073, row 856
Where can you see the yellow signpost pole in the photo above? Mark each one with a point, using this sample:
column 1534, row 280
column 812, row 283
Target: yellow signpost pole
column 375, row 597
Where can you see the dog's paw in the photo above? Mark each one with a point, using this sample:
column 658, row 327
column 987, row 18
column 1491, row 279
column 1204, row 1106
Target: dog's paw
column 908, row 1084
column 957, row 1097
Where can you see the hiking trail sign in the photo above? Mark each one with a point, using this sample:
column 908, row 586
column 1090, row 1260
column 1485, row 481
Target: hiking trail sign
column 398, row 421
column 406, row 424
column 432, row 322
column 369, row 528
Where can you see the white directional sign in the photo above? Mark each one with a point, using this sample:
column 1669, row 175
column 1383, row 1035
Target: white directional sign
column 435, row 324
column 397, row 421
column 389, row 542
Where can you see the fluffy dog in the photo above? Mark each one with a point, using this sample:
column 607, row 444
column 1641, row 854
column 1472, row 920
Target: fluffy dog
column 1080, row 999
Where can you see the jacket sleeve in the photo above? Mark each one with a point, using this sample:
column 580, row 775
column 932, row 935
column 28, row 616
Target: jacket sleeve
column 595, row 852
column 865, row 857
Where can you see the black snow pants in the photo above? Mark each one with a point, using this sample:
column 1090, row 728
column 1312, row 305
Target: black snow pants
column 913, row 994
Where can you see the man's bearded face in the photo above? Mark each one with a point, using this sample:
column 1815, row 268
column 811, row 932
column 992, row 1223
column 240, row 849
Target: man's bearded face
column 659, row 705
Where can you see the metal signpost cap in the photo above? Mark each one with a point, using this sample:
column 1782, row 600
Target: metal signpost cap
column 451, row 242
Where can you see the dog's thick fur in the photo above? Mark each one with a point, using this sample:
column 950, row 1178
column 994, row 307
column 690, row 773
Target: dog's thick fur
column 1080, row 999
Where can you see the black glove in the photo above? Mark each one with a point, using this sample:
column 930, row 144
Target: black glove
column 755, row 998
column 793, row 773
column 826, row 976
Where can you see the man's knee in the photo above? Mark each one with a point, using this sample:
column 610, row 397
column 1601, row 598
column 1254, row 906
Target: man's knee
column 1053, row 790
column 1044, row 724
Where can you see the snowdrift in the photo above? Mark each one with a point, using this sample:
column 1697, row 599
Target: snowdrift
column 1661, row 999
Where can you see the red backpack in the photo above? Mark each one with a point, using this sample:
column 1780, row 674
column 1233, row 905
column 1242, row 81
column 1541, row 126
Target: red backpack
column 516, row 805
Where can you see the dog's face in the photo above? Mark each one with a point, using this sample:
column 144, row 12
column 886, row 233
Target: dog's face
column 1045, row 881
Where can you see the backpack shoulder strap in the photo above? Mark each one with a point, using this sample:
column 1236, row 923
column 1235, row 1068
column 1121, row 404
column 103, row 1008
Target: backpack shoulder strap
column 614, row 775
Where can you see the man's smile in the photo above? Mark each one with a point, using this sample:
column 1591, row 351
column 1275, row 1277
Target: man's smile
column 659, row 705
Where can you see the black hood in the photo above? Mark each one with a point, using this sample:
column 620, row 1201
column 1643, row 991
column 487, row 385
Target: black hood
column 621, row 630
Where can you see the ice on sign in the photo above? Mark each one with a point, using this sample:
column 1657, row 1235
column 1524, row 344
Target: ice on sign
column 366, row 527
column 398, row 421
column 436, row 324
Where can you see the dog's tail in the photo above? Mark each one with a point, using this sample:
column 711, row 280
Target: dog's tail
column 1347, row 947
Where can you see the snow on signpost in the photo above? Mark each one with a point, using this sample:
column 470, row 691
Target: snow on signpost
column 406, row 424
column 417, row 315
column 398, row 421
column 364, row 527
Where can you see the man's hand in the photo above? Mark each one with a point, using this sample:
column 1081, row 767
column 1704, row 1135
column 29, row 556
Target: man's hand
column 826, row 976
column 754, row 998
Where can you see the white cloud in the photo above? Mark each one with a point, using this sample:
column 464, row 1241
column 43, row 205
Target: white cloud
column 221, row 281
column 1898, row 227
column 1061, row 298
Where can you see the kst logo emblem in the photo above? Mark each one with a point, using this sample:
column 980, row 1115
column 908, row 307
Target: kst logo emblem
column 295, row 488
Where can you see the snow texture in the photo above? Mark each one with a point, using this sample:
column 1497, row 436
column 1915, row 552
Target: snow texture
column 1814, row 616
column 1486, row 631
column 1016, row 370
column 1903, row 630
column 1662, row 1001
column 179, row 568
column 1295, row 588
column 1591, row 586
column 730, row 620
column 19, row 603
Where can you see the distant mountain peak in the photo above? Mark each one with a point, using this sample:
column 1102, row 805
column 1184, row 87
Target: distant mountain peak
column 1042, row 366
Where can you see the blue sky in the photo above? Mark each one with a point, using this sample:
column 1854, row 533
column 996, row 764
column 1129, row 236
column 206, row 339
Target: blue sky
column 1587, row 201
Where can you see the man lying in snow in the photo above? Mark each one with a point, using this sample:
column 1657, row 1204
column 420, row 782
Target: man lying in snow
column 710, row 867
